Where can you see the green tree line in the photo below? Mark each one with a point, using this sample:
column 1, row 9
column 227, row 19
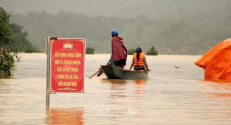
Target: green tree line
column 151, row 51
column 168, row 36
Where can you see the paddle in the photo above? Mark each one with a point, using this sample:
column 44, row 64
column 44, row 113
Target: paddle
column 95, row 73
column 100, row 71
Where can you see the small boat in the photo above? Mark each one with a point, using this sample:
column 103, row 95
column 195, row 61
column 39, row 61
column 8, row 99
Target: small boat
column 113, row 72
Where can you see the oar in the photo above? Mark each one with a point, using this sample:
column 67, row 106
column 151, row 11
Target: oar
column 94, row 74
column 100, row 71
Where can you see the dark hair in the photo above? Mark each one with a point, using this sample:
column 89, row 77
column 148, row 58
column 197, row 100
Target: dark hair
column 114, row 35
column 138, row 51
column 138, row 55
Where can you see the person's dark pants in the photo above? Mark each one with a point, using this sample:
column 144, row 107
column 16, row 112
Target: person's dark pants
column 120, row 63
column 139, row 68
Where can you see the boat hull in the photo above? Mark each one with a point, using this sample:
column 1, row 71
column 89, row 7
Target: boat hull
column 113, row 72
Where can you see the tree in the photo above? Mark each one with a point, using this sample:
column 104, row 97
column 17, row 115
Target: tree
column 20, row 40
column 167, row 33
column 8, row 52
column 152, row 51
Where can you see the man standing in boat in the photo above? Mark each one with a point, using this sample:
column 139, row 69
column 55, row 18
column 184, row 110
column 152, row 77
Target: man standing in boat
column 119, row 51
column 139, row 60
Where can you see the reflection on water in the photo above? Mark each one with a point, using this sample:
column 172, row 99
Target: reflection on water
column 139, row 82
column 139, row 88
column 118, row 86
column 70, row 116
column 217, row 101
column 175, row 96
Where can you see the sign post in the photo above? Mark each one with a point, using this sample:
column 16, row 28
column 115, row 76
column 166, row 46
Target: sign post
column 65, row 68
column 48, row 73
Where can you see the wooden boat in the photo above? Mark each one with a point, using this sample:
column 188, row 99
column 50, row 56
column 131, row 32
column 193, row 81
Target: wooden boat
column 113, row 72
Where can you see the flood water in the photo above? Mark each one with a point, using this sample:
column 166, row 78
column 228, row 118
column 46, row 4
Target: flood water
column 170, row 96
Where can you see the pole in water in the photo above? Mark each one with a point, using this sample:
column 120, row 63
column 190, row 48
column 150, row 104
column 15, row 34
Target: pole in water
column 48, row 74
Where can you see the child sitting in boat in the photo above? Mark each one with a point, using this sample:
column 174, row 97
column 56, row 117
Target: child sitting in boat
column 139, row 61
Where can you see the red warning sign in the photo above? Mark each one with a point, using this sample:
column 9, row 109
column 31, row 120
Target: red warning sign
column 67, row 65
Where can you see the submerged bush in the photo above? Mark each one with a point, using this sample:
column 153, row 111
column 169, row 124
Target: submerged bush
column 152, row 51
column 90, row 50
column 131, row 51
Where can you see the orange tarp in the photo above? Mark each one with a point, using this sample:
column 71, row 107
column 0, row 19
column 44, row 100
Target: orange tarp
column 217, row 61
